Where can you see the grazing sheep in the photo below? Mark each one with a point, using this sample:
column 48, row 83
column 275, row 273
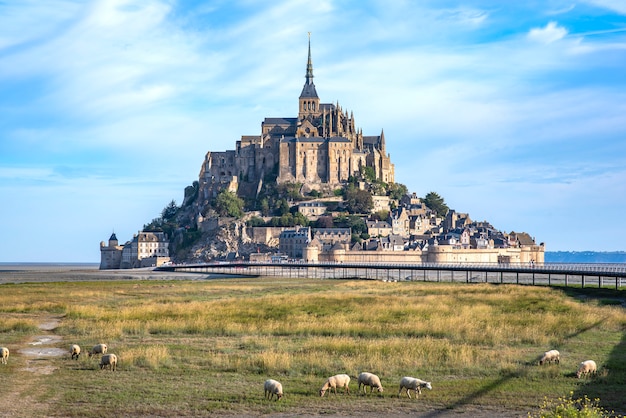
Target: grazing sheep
column 341, row 380
column 109, row 360
column 586, row 368
column 75, row 351
column 371, row 380
column 411, row 383
column 4, row 354
column 98, row 349
column 550, row 356
column 273, row 387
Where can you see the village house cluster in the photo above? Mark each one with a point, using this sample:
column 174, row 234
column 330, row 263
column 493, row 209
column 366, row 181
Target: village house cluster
column 412, row 233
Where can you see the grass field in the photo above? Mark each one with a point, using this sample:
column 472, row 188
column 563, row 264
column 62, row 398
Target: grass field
column 205, row 347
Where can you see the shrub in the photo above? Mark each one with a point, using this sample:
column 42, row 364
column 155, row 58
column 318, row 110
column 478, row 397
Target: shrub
column 572, row 408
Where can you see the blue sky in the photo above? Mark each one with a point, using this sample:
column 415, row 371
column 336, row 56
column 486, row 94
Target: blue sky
column 512, row 111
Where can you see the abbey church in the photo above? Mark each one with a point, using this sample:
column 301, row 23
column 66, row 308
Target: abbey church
column 320, row 149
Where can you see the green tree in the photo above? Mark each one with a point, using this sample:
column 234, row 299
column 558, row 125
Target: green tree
column 169, row 212
column 368, row 173
column 283, row 207
column 358, row 201
column 436, row 203
column 289, row 191
column 255, row 221
column 354, row 222
column 264, row 207
column 300, row 219
column 397, row 190
column 381, row 215
column 228, row 203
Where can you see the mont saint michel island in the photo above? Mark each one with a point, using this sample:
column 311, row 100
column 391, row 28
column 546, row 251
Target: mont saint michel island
column 312, row 187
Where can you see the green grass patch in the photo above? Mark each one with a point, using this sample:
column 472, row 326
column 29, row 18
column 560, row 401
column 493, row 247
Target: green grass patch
column 205, row 347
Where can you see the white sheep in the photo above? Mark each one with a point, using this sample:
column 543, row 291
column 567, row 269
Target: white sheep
column 371, row 380
column 98, row 349
column 108, row 360
column 4, row 354
column 271, row 388
column 550, row 356
column 586, row 368
column 341, row 380
column 75, row 351
column 412, row 383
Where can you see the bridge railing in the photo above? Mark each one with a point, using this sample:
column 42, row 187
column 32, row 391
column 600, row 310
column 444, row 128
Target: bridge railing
column 551, row 274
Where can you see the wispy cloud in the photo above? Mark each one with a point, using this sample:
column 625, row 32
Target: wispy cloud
column 615, row 5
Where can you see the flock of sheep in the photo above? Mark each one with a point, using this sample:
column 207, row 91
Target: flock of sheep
column 342, row 381
column 585, row 368
column 107, row 360
column 273, row 388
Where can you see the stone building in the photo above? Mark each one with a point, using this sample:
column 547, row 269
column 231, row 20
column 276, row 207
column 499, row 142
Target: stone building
column 320, row 148
column 329, row 237
column 111, row 254
column 312, row 209
column 293, row 242
column 146, row 249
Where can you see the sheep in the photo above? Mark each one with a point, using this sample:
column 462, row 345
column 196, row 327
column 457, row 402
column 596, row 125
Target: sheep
column 98, row 349
column 4, row 354
column 412, row 383
column 371, row 380
column 341, row 380
column 109, row 360
column 550, row 356
column 586, row 368
column 271, row 388
column 75, row 351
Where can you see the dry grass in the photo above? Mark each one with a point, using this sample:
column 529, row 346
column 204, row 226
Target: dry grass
column 302, row 331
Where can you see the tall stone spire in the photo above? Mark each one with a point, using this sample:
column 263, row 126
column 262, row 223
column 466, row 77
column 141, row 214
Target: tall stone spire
column 309, row 65
column 308, row 91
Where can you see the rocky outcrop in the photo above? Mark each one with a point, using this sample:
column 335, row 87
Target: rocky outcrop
column 229, row 239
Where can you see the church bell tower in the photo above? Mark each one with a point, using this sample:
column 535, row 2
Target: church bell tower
column 309, row 102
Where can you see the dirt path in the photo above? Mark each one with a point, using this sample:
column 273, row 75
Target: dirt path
column 20, row 389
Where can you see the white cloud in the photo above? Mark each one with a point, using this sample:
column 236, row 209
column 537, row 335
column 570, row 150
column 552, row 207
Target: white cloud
column 615, row 5
column 550, row 33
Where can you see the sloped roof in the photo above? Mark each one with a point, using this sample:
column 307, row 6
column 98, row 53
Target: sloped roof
column 280, row 121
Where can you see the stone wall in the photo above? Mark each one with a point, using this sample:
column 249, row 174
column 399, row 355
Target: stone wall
column 435, row 254
column 264, row 234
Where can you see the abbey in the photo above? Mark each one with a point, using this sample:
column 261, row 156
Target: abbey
column 320, row 148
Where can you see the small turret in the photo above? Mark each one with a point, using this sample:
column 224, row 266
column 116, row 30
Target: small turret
column 113, row 240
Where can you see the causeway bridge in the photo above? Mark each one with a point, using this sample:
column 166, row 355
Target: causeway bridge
column 546, row 274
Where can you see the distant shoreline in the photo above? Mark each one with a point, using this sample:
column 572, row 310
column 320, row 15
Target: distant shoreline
column 31, row 265
column 15, row 273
